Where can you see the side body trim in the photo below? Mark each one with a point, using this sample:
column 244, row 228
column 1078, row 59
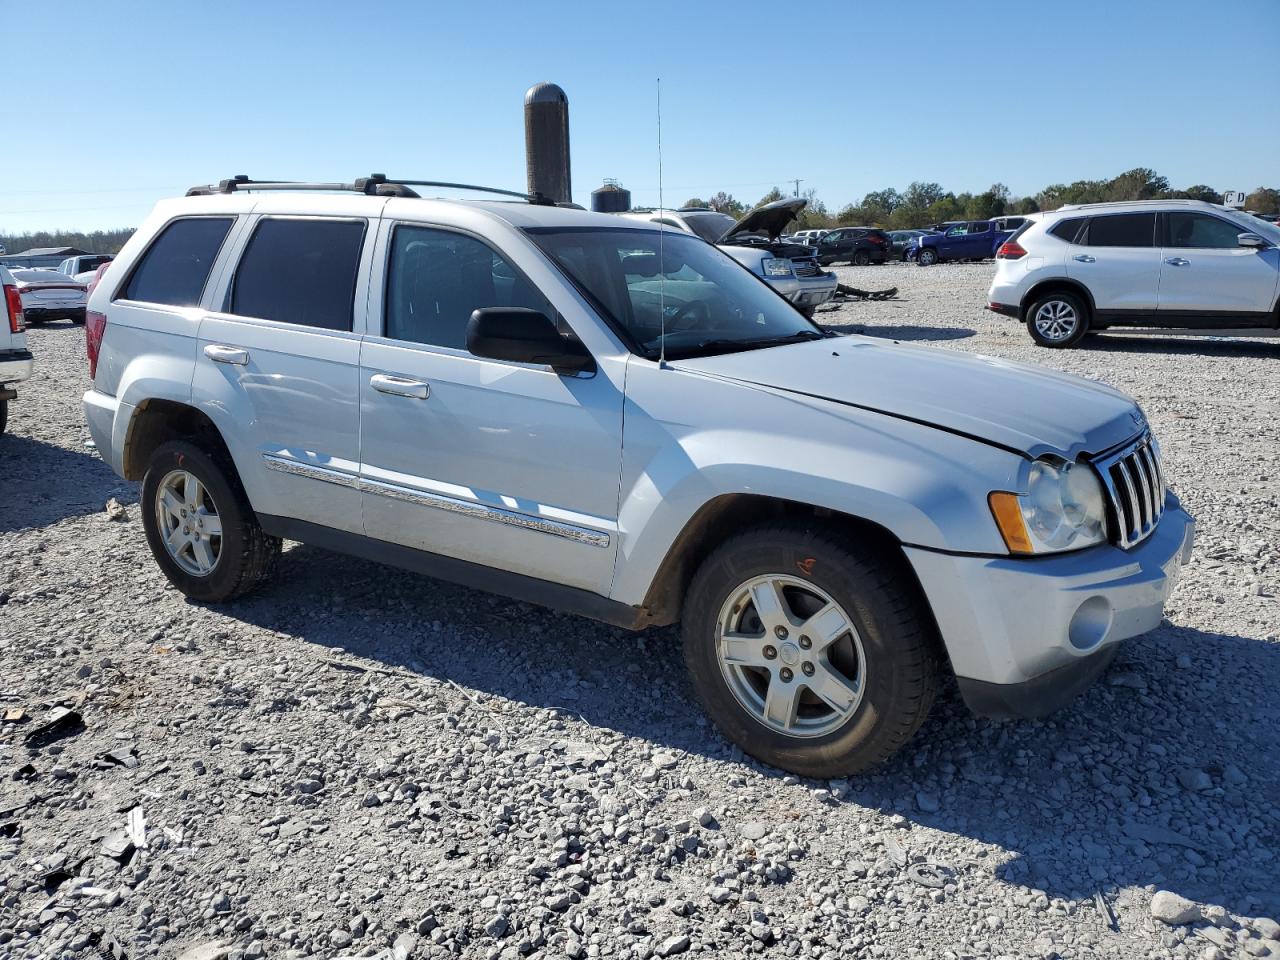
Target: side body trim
column 479, row 511
column 517, row 586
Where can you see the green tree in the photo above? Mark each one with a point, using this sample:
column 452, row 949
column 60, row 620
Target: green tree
column 1263, row 200
column 724, row 203
column 921, row 196
column 695, row 202
column 1140, row 183
column 1026, row 205
column 772, row 196
column 946, row 208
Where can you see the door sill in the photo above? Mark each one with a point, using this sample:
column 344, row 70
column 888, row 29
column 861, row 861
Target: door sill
column 517, row 586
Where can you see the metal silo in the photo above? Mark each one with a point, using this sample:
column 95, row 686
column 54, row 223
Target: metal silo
column 613, row 197
column 546, row 142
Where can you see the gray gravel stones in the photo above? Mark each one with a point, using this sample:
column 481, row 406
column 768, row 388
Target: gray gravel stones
column 551, row 773
column 1172, row 909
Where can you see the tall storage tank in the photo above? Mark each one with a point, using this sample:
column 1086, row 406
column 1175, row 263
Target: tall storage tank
column 546, row 142
column 612, row 197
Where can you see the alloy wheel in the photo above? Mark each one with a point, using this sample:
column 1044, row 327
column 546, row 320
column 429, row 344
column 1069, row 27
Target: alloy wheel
column 189, row 523
column 1056, row 320
column 790, row 656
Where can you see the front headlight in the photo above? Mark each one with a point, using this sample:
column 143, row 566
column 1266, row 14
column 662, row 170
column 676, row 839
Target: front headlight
column 776, row 267
column 1063, row 509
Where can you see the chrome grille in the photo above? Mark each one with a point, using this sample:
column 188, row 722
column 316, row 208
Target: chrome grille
column 1134, row 481
column 806, row 266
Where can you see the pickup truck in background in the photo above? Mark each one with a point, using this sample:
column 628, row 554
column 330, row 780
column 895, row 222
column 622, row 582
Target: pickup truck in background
column 966, row 240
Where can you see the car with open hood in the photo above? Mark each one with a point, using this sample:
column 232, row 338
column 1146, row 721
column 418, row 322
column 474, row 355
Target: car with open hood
column 791, row 267
column 611, row 417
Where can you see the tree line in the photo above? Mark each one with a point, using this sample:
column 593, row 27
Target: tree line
column 98, row 241
column 922, row 204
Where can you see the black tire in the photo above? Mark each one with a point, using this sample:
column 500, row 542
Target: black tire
column 1060, row 303
column 878, row 595
column 246, row 556
column 860, row 258
column 926, row 257
column 807, row 312
column 4, row 414
column 78, row 319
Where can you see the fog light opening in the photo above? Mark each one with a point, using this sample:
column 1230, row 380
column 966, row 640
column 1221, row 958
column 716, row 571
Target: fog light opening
column 1090, row 624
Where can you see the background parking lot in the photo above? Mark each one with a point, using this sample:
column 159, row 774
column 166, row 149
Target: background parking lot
column 355, row 757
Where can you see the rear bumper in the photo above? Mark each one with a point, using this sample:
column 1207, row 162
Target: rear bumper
column 1031, row 632
column 15, row 366
column 107, row 427
column 40, row 314
column 1005, row 309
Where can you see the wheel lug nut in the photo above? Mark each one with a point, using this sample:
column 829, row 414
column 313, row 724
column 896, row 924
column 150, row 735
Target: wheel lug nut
column 786, row 675
column 770, row 653
column 805, row 643
column 780, row 632
column 808, row 669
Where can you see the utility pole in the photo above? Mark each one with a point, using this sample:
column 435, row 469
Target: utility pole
column 797, row 183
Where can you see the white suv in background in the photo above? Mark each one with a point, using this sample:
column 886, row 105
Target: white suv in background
column 15, row 358
column 1175, row 264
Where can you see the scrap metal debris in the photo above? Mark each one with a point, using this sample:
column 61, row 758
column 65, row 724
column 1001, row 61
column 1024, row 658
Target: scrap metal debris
column 930, row 874
column 14, row 715
column 1104, row 908
column 60, row 722
column 845, row 292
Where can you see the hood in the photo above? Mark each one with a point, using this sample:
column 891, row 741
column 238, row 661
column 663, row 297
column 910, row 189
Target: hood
column 1023, row 408
column 770, row 219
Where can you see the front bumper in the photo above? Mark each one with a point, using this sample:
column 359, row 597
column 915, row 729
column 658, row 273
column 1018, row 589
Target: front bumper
column 806, row 291
column 1025, row 635
column 15, row 366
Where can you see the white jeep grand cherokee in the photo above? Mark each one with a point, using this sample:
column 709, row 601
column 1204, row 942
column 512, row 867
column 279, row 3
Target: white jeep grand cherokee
column 581, row 411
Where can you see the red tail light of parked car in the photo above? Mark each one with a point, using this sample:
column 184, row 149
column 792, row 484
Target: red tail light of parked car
column 1010, row 251
column 95, row 325
column 13, row 305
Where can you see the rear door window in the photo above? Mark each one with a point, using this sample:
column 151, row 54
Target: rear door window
column 176, row 266
column 1121, row 230
column 300, row 271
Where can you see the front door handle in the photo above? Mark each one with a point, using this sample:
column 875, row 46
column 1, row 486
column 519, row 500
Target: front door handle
column 1085, row 258
column 1177, row 261
column 400, row 386
column 219, row 353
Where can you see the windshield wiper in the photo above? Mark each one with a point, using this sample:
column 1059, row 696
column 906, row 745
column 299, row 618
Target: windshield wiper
column 724, row 345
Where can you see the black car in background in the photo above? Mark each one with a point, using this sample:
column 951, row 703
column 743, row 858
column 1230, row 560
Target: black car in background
column 858, row 245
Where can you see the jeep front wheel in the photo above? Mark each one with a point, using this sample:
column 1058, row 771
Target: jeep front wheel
column 811, row 654
column 200, row 527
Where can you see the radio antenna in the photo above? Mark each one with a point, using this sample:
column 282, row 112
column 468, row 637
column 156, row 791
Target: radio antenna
column 662, row 278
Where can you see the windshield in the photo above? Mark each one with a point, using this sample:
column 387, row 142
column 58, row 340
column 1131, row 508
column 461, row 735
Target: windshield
column 709, row 226
column 707, row 302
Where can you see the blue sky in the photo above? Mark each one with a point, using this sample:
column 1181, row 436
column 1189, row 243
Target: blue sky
column 849, row 97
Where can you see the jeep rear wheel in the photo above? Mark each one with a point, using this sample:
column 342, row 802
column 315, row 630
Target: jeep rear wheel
column 927, row 257
column 199, row 525
column 1057, row 320
column 808, row 652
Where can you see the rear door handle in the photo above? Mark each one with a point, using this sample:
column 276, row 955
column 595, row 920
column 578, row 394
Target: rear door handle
column 219, row 353
column 400, row 386
column 1085, row 258
column 1177, row 262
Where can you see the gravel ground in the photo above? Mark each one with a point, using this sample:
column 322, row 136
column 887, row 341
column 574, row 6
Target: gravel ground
column 359, row 762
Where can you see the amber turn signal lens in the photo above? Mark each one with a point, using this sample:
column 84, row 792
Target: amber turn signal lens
column 1008, row 515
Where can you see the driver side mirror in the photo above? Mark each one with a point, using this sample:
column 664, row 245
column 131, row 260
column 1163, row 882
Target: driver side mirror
column 1251, row 240
column 524, row 336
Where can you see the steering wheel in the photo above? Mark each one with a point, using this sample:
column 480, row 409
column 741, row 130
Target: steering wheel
column 693, row 314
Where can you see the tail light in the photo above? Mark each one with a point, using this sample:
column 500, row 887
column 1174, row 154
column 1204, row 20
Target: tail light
column 13, row 305
column 97, row 275
column 1010, row 251
column 875, row 239
column 95, row 325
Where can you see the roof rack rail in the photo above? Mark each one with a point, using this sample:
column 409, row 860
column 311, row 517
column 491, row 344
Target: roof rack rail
column 374, row 185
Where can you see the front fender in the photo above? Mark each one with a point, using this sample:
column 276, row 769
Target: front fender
column 692, row 439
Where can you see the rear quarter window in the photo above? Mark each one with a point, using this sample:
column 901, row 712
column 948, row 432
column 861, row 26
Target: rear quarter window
column 1068, row 229
column 176, row 266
